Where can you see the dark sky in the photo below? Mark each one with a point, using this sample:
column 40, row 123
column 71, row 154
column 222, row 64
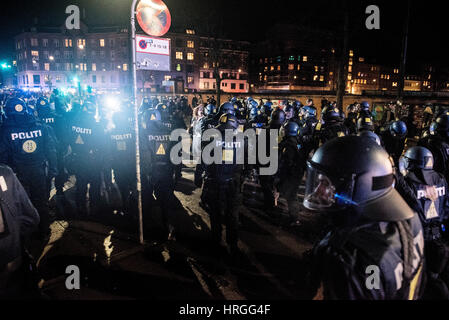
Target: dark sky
column 249, row 20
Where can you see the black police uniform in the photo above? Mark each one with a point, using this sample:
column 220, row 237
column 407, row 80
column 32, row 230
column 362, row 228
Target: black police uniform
column 87, row 161
column 27, row 147
column 394, row 146
column 159, row 170
column 208, row 122
column 291, row 171
column 18, row 220
column 60, row 130
column 440, row 150
column 221, row 190
column 123, row 158
column 351, row 123
column 433, row 211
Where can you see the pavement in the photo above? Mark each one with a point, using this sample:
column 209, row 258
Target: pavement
column 114, row 266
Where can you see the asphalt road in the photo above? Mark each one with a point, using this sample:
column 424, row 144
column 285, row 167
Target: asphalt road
column 114, row 266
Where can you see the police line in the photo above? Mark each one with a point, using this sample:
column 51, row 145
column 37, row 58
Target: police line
column 260, row 149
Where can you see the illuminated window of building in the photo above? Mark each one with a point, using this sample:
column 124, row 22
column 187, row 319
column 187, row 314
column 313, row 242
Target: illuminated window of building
column 68, row 43
column 101, row 42
column 167, row 78
column 395, row 84
column 321, row 78
column 299, row 67
column 333, row 50
column 429, row 77
column 179, row 55
column 315, row 77
column 279, row 68
column 388, row 77
column 364, row 81
column 331, row 73
column 291, row 67
column 305, row 58
column 47, row 66
column 361, row 59
column 265, row 78
column 396, row 71
column 358, row 74
column 350, row 69
column 351, row 53
column 316, row 68
column 189, row 79
column 178, row 67
column 272, row 68
column 81, row 42
column 190, row 56
column 349, row 76
column 125, row 67
column 266, row 60
column 94, row 67
column 190, row 31
column 34, row 42
column 292, row 58
column 35, row 53
column 190, row 44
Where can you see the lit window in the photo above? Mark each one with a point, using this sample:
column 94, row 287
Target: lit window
column 291, row 67
column 316, row 68
column 190, row 56
column 279, row 68
column 189, row 79
column 81, row 42
column 305, row 58
column 125, row 67
column 321, row 78
column 101, row 42
column 35, row 53
column 68, row 43
column 292, row 58
column 351, row 53
column 299, row 67
column 47, row 66
column 350, row 69
column 34, row 42
column 167, row 78
column 206, row 65
column 272, row 68
column 190, row 31
column 315, row 77
column 179, row 55
column 395, row 84
column 361, row 59
column 94, row 67
column 190, row 44
column 178, row 67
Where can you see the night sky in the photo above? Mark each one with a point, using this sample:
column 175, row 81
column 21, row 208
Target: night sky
column 250, row 20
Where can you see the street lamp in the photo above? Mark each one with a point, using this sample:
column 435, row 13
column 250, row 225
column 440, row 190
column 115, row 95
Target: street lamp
column 81, row 47
column 51, row 58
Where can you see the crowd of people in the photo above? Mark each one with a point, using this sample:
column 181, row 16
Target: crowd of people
column 383, row 200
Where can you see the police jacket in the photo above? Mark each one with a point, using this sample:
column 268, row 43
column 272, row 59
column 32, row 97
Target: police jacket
column 25, row 142
column 394, row 147
column 346, row 258
column 440, row 150
column 292, row 158
column 122, row 146
column 87, row 137
column 18, row 217
column 328, row 131
column 227, row 168
column 430, row 192
column 156, row 149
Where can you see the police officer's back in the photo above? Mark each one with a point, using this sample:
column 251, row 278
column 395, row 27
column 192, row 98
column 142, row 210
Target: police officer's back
column 431, row 201
column 27, row 146
column 373, row 230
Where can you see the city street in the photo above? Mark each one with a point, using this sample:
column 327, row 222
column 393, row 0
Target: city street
column 114, row 266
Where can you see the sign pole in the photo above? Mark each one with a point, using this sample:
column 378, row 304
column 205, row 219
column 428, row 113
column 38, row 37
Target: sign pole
column 136, row 121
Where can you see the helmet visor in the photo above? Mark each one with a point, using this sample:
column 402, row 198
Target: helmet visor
column 323, row 194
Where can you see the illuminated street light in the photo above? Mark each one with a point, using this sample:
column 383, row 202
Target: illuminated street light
column 51, row 58
column 81, row 47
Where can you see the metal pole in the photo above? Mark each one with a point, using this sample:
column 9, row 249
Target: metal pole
column 404, row 52
column 136, row 121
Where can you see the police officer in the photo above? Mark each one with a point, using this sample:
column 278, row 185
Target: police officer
column 88, row 158
column 365, row 124
column 58, row 125
column 208, row 122
column 431, row 201
column 27, row 146
column 122, row 153
column 291, row 168
column 351, row 121
column 221, row 190
column 331, row 127
column 159, row 168
column 365, row 110
column 393, row 138
column 350, row 180
column 267, row 182
column 438, row 144
column 18, row 220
